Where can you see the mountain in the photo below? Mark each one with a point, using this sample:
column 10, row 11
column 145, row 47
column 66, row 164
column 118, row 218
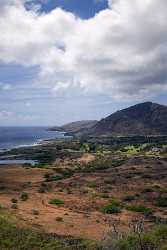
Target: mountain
column 142, row 119
column 75, row 127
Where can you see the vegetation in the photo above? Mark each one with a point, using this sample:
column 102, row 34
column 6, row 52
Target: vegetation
column 112, row 208
column 103, row 164
column 14, row 200
column 13, row 237
column 54, row 178
column 129, row 198
column 57, row 202
column 35, row 212
column 93, row 170
column 156, row 239
column 140, row 209
column 59, row 219
column 24, row 196
column 92, row 184
column 14, row 206
column 161, row 201
column 43, row 188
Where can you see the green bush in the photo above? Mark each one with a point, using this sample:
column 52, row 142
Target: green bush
column 117, row 162
column 14, row 200
column 92, row 184
column 161, row 202
column 57, row 202
column 112, row 208
column 129, row 198
column 140, row 209
column 24, row 196
column 54, row 178
column 148, row 190
column 105, row 196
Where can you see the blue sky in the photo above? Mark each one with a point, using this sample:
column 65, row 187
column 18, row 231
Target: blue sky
column 91, row 77
column 82, row 8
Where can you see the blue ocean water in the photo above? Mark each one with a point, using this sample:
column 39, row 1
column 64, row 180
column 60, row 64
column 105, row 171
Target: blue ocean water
column 11, row 137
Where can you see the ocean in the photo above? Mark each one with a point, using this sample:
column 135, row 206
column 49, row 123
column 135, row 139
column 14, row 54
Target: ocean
column 11, row 137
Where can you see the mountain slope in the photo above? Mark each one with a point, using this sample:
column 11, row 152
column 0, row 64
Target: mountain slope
column 142, row 119
column 76, row 127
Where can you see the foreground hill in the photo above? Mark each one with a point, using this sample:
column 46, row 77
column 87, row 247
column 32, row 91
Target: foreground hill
column 142, row 119
column 76, row 127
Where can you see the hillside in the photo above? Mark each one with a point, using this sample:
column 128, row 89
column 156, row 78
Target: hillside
column 142, row 119
column 75, row 127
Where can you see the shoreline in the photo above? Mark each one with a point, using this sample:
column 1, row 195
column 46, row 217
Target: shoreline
column 25, row 153
column 39, row 142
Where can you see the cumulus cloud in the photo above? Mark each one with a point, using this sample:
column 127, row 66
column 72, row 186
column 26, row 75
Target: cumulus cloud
column 120, row 52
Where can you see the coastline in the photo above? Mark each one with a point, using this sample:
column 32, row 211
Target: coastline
column 18, row 137
column 25, row 153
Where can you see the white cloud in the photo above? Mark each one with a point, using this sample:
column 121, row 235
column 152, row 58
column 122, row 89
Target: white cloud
column 120, row 52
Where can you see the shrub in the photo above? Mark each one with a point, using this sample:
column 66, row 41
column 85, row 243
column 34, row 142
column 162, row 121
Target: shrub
column 109, row 181
column 156, row 239
column 2, row 188
column 147, row 176
column 59, row 219
column 112, row 208
column 57, row 202
column 24, row 196
column 148, row 190
column 140, row 209
column 69, row 191
column 102, row 164
column 92, row 184
column 35, row 212
column 14, row 206
column 13, row 200
column 54, row 178
column 161, row 202
column 47, row 175
column 43, row 188
column 129, row 198
column 117, row 163
column 105, row 196
column 66, row 173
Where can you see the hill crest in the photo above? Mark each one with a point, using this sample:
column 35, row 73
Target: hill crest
column 141, row 119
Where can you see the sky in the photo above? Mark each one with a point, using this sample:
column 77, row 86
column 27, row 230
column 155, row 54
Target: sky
column 69, row 60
